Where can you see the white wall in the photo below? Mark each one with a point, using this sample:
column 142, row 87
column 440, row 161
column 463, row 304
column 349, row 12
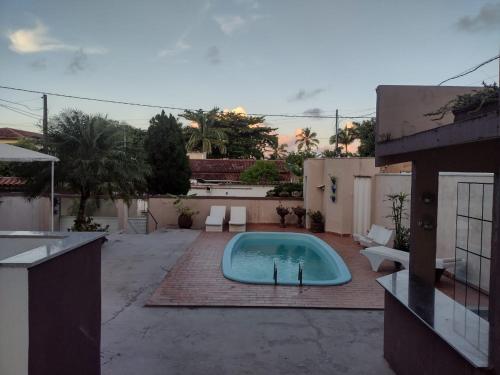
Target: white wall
column 390, row 183
column 230, row 190
column 17, row 213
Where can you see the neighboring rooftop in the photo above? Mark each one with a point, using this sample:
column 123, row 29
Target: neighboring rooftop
column 8, row 183
column 11, row 135
column 229, row 170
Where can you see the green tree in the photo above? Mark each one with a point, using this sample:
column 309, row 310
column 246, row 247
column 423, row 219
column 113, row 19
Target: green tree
column 249, row 137
column 166, row 153
column 278, row 151
column 295, row 161
column 206, row 137
column 93, row 161
column 366, row 135
column 345, row 136
column 262, row 172
column 307, row 140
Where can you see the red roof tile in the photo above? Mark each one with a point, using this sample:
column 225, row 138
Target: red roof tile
column 11, row 133
column 228, row 169
column 11, row 181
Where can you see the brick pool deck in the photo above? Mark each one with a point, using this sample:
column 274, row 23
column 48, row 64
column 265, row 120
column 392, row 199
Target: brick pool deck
column 197, row 280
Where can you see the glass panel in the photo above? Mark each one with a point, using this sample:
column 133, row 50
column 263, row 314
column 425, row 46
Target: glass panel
column 485, row 275
column 486, row 240
column 476, row 201
column 474, row 236
column 460, row 267
column 473, row 264
column 488, row 202
column 463, row 199
column 462, row 232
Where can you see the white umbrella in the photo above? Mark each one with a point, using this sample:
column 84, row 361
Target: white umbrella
column 23, row 155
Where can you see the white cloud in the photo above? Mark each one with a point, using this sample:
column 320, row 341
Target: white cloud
column 230, row 24
column 488, row 18
column 37, row 39
column 180, row 46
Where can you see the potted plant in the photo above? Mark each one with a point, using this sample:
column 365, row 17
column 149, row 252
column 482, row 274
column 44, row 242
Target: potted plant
column 317, row 221
column 282, row 211
column 185, row 219
column 299, row 212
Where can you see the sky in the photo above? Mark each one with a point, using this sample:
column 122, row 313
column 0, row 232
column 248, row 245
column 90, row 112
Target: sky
column 266, row 56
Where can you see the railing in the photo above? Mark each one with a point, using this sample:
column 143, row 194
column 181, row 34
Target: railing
column 300, row 273
column 275, row 274
column 154, row 219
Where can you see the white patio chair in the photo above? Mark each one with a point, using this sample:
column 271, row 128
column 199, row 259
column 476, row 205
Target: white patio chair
column 377, row 254
column 215, row 221
column 377, row 236
column 238, row 219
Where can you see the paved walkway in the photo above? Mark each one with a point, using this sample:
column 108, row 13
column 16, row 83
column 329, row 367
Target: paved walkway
column 197, row 280
column 154, row 341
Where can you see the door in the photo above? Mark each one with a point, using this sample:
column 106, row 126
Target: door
column 362, row 209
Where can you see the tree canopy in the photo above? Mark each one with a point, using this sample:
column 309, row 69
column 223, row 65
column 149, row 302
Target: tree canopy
column 93, row 161
column 307, row 140
column 229, row 135
column 206, row 136
column 366, row 135
column 166, row 154
column 262, row 172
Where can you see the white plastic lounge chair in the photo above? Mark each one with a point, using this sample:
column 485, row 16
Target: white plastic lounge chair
column 238, row 219
column 377, row 254
column 215, row 220
column 377, row 236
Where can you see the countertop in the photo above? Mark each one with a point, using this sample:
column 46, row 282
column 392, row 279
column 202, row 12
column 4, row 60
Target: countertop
column 60, row 243
column 461, row 328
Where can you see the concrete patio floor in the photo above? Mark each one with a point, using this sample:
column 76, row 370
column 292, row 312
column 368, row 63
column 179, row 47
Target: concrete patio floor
column 155, row 340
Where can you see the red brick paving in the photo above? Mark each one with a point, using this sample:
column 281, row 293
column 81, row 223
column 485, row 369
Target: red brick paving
column 197, row 280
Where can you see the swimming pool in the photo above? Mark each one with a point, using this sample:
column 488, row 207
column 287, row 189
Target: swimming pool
column 251, row 258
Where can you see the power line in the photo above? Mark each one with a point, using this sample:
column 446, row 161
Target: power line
column 19, row 111
column 470, row 70
column 165, row 107
column 22, row 105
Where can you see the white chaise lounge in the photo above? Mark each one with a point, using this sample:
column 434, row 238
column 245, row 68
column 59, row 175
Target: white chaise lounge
column 377, row 254
column 215, row 221
column 377, row 236
column 238, row 219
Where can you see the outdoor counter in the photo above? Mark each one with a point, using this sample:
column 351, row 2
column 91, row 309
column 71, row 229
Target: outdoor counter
column 50, row 303
column 455, row 339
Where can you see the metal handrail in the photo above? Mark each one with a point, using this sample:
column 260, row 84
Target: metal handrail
column 300, row 273
column 154, row 219
column 275, row 274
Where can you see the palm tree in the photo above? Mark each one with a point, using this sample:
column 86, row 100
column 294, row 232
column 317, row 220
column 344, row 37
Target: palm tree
column 206, row 134
column 345, row 137
column 306, row 140
column 279, row 151
column 93, row 161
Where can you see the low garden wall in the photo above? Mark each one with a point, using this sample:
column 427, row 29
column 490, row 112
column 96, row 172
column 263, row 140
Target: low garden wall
column 259, row 210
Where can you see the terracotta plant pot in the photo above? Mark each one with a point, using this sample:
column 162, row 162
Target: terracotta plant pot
column 317, row 227
column 185, row 221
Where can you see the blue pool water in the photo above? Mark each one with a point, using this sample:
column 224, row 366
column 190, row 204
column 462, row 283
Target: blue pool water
column 250, row 257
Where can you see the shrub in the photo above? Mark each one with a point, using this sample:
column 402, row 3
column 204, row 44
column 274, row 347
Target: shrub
column 262, row 172
column 288, row 187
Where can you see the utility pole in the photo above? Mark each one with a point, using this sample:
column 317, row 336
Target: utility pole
column 336, row 130
column 45, row 122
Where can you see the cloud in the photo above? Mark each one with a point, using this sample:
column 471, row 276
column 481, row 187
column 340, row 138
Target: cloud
column 230, row 24
column 488, row 18
column 79, row 62
column 180, row 46
column 38, row 64
column 37, row 39
column 251, row 4
column 313, row 112
column 213, row 55
column 304, row 94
